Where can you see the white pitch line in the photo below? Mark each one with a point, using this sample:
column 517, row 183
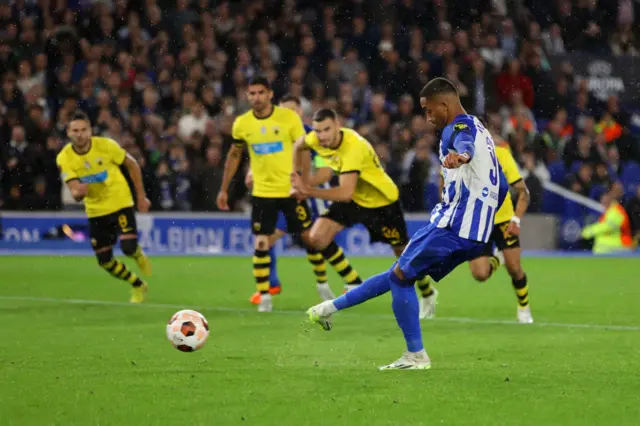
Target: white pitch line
column 296, row 312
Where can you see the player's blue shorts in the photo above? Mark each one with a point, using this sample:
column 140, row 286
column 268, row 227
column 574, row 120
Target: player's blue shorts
column 436, row 252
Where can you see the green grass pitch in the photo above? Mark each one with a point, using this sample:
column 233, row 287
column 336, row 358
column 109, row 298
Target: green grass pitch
column 67, row 361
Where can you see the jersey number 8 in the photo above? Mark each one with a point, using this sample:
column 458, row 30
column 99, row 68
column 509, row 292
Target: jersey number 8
column 301, row 212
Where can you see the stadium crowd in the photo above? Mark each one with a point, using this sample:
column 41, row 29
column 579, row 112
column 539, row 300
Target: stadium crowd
column 166, row 78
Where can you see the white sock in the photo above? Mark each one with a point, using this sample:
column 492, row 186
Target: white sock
column 328, row 308
column 422, row 354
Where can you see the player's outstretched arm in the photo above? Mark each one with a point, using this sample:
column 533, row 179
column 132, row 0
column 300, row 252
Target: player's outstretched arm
column 342, row 193
column 521, row 207
column 78, row 189
column 234, row 156
column 133, row 168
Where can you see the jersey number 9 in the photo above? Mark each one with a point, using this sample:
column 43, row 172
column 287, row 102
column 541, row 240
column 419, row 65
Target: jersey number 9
column 493, row 173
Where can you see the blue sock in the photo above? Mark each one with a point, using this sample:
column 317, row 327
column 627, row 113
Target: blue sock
column 407, row 311
column 373, row 287
column 274, row 280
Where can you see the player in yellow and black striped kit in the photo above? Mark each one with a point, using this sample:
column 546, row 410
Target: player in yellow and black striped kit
column 269, row 132
column 90, row 166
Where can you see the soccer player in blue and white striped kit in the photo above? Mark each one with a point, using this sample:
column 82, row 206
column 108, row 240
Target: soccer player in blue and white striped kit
column 459, row 228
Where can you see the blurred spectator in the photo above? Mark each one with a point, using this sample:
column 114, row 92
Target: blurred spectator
column 622, row 43
column 415, row 171
column 553, row 142
column 350, row 66
column 534, row 174
column 614, row 230
column 208, row 178
column 552, row 40
column 583, row 150
column 511, row 80
column 580, row 181
column 19, row 162
column 195, row 121
column 508, row 39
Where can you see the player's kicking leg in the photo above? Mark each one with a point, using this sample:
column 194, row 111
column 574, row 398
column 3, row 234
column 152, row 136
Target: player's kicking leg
column 427, row 288
column 387, row 224
column 432, row 252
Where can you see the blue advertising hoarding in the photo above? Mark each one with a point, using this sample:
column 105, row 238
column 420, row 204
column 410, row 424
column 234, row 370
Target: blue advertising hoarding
column 165, row 234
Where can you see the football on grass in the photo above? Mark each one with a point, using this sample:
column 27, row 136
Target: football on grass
column 188, row 330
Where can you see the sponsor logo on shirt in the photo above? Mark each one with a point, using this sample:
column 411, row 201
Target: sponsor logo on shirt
column 267, row 147
column 95, row 178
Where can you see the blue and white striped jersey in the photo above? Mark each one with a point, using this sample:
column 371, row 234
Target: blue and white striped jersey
column 473, row 192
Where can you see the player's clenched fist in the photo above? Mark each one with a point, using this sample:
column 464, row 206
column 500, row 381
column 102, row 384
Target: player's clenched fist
column 453, row 160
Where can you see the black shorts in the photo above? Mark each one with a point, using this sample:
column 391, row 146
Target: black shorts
column 385, row 224
column 501, row 240
column 104, row 230
column 264, row 215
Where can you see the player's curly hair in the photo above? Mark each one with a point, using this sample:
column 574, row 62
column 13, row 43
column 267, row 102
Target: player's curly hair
column 438, row 86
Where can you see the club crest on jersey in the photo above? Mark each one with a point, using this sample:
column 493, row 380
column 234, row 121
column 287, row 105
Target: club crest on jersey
column 485, row 192
column 263, row 130
column 276, row 130
column 99, row 161
column 460, row 126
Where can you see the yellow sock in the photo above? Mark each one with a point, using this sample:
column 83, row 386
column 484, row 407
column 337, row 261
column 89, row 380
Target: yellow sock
column 334, row 254
column 119, row 270
column 319, row 267
column 425, row 285
column 261, row 270
column 495, row 264
column 522, row 291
